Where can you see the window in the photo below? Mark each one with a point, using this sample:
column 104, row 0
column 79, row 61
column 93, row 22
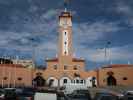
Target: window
column 39, row 74
column 72, row 81
column 65, row 52
column 76, row 67
column 77, row 81
column 5, row 78
column 65, row 81
column 19, row 78
column 76, row 75
column 55, row 67
column 65, row 67
column 81, row 81
column 65, row 42
column 125, row 78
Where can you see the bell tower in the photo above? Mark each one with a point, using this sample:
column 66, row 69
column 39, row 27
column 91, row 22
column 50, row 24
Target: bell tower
column 65, row 61
column 65, row 34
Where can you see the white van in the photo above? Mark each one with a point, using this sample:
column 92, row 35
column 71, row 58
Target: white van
column 45, row 96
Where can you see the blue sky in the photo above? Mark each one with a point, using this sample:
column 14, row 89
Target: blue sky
column 25, row 24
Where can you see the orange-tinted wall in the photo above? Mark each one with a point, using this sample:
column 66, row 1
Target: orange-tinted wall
column 119, row 73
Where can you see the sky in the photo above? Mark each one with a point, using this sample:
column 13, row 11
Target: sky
column 30, row 27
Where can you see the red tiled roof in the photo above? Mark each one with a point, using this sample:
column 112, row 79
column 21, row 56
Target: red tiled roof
column 12, row 65
column 117, row 66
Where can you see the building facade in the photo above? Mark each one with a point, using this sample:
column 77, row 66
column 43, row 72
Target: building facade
column 115, row 75
column 66, row 69
column 15, row 75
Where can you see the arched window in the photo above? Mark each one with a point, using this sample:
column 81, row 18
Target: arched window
column 65, row 67
column 65, row 81
column 5, row 78
column 75, row 68
column 51, row 81
column 55, row 67
column 81, row 81
column 77, row 81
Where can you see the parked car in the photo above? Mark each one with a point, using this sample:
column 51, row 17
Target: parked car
column 81, row 94
column 108, row 95
column 61, row 96
column 128, row 95
column 69, row 88
column 2, row 94
column 50, row 95
column 10, row 94
column 25, row 94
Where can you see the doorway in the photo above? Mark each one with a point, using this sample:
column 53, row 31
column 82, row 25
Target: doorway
column 111, row 81
column 39, row 81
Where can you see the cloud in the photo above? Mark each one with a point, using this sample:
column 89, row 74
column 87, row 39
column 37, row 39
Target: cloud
column 36, row 25
column 121, row 53
column 23, row 36
column 90, row 32
column 125, row 9
column 50, row 14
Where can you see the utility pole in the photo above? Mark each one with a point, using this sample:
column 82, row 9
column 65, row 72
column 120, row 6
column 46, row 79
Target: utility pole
column 106, row 51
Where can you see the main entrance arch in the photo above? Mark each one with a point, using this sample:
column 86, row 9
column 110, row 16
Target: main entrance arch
column 39, row 81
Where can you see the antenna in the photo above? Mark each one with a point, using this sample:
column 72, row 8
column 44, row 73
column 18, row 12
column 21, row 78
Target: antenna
column 66, row 5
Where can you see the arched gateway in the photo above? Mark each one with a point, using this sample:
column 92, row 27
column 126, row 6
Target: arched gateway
column 39, row 81
column 111, row 81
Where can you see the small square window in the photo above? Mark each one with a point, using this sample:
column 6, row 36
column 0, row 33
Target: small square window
column 65, row 43
column 77, row 81
column 55, row 67
column 125, row 78
column 65, row 52
column 81, row 81
column 76, row 67
column 65, row 67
